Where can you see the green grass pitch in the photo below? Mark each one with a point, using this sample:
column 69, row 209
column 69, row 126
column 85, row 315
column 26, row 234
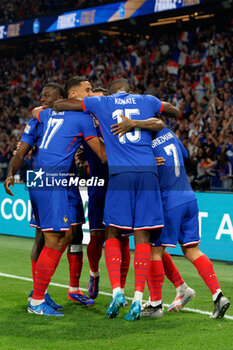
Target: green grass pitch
column 88, row 328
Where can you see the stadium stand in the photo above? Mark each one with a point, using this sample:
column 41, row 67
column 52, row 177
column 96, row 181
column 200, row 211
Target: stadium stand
column 192, row 70
column 11, row 11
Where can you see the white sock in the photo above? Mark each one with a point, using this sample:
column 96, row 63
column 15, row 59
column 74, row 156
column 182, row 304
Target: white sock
column 137, row 297
column 94, row 274
column 182, row 288
column 155, row 303
column 76, row 248
column 215, row 295
column 73, row 289
column 35, row 302
column 123, row 291
column 115, row 290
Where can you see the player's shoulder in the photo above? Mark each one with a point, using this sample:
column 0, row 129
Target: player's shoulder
column 94, row 99
column 31, row 126
column 33, row 122
column 165, row 131
column 47, row 111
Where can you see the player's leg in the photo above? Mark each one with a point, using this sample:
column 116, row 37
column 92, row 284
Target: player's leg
column 35, row 252
column 155, row 279
column 206, row 270
column 55, row 243
column 113, row 261
column 94, row 253
column 189, row 240
column 125, row 253
column 146, row 222
column 171, row 271
column 118, row 214
column 75, row 259
column 36, row 249
column 183, row 292
column 142, row 256
column 97, row 236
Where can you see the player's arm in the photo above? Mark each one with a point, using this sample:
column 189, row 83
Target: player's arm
column 36, row 112
column 183, row 150
column 97, row 145
column 70, row 104
column 170, row 111
column 153, row 124
column 15, row 165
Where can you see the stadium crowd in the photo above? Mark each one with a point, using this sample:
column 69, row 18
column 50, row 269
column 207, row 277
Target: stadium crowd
column 191, row 70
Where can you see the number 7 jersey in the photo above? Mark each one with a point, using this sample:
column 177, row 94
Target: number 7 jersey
column 173, row 180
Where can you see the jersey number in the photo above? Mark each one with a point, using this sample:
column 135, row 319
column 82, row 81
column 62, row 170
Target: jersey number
column 172, row 151
column 131, row 136
column 52, row 127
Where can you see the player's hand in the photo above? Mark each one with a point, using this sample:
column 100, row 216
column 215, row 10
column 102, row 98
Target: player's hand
column 57, row 105
column 36, row 111
column 160, row 161
column 9, row 181
column 17, row 147
column 80, row 156
column 123, row 127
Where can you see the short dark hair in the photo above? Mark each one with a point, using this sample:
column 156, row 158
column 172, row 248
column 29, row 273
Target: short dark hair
column 74, row 81
column 100, row 89
column 119, row 84
column 57, row 87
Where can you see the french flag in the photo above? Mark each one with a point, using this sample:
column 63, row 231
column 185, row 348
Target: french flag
column 195, row 63
column 186, row 37
column 172, row 68
column 181, row 58
column 208, row 80
column 220, row 44
column 182, row 46
column 135, row 59
column 126, row 64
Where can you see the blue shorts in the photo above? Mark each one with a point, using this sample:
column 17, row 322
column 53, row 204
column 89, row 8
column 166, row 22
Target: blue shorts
column 76, row 206
column 181, row 225
column 129, row 201
column 76, row 213
column 96, row 199
column 33, row 221
column 51, row 209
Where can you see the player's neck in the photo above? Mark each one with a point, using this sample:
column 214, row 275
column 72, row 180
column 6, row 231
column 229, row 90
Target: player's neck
column 121, row 92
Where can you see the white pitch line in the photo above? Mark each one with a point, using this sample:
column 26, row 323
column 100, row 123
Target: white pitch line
column 197, row 311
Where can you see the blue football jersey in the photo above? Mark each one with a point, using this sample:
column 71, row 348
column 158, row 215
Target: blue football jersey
column 96, row 166
column 174, row 183
column 32, row 135
column 132, row 152
column 63, row 133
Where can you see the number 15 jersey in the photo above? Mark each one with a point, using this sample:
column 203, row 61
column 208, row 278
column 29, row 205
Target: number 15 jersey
column 173, row 180
column 132, row 152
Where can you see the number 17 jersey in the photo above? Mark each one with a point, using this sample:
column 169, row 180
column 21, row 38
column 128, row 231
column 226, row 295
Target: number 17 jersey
column 173, row 180
column 63, row 133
